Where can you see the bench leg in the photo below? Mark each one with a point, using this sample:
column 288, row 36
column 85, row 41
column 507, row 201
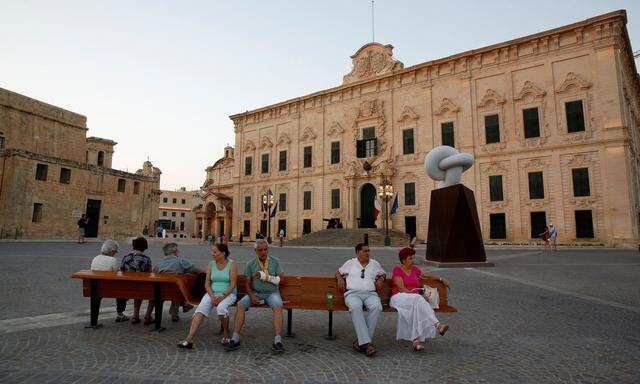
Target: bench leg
column 330, row 335
column 157, row 293
column 290, row 323
column 95, row 305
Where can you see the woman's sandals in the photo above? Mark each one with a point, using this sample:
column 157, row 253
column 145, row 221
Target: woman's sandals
column 185, row 344
column 417, row 346
column 442, row 328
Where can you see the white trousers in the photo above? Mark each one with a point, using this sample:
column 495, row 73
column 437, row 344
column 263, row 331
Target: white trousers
column 416, row 319
column 222, row 309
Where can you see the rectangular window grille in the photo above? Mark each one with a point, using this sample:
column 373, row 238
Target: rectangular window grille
column 410, row 194
column 335, row 152
column 531, row 123
column 41, row 172
column 538, row 224
column 247, row 204
column 584, row 224
column 497, row 226
column 335, row 198
column 448, row 134
column 492, row 129
column 282, row 163
column 307, row 157
column 65, row 175
column 306, row 200
column 282, row 202
column 575, row 116
column 248, row 165
column 536, row 185
column 581, row 182
column 495, row 188
column 407, row 141
column 122, row 183
column 265, row 163
column 37, row 213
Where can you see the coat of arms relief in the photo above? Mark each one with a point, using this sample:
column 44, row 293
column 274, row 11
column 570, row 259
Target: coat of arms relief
column 372, row 60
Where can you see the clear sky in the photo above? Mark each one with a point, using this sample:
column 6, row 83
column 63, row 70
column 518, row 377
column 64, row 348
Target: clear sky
column 161, row 78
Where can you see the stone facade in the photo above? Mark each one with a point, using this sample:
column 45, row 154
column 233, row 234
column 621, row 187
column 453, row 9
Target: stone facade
column 51, row 173
column 177, row 212
column 563, row 102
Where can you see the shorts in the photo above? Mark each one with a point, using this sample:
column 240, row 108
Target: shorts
column 272, row 299
column 81, row 231
column 222, row 309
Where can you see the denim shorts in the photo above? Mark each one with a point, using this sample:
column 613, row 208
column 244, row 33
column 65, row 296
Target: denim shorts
column 272, row 299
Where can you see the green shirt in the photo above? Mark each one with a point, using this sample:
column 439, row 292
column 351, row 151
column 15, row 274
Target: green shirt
column 263, row 286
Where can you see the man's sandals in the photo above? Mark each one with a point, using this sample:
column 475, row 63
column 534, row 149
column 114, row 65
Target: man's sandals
column 369, row 349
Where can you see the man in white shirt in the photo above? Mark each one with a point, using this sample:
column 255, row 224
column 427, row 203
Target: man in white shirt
column 360, row 278
column 107, row 261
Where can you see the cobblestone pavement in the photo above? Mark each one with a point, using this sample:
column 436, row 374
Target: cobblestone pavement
column 565, row 317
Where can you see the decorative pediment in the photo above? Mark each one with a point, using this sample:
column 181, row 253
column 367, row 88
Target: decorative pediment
column 308, row 135
column 307, row 186
column 266, row 142
column 335, row 183
column 573, row 81
column 496, row 169
column 534, row 164
column 529, row 88
column 491, row 97
column 249, row 146
column 409, row 176
column 370, row 109
column 335, row 130
column 372, row 60
column 284, row 139
column 446, row 106
column 407, row 114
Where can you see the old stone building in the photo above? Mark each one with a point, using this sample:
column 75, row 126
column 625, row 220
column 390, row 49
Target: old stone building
column 552, row 120
column 51, row 173
column 177, row 212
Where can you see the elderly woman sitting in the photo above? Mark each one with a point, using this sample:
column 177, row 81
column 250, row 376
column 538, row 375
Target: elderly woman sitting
column 416, row 319
column 106, row 261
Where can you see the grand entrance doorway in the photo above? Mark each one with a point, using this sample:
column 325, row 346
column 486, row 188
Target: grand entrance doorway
column 93, row 213
column 367, row 215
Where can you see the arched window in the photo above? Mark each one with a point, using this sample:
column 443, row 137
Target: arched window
column 100, row 159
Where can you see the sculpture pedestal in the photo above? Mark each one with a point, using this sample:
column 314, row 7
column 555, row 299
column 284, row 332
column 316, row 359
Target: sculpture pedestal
column 454, row 238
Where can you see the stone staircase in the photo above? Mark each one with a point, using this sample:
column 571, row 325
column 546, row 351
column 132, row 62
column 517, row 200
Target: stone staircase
column 349, row 237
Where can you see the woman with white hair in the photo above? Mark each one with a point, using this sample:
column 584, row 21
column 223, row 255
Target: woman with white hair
column 106, row 261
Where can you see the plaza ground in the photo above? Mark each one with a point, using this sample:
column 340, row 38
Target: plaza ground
column 565, row 317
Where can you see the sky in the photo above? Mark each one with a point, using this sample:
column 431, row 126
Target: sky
column 161, row 78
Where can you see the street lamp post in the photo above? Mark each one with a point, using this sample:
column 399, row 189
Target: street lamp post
column 385, row 191
column 268, row 200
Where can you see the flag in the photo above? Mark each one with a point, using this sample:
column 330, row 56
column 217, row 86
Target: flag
column 394, row 208
column 377, row 208
column 263, row 209
column 273, row 213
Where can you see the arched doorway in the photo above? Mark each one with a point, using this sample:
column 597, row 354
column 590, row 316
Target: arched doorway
column 209, row 220
column 367, row 215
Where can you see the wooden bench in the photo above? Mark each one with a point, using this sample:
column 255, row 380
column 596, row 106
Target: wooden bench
column 297, row 292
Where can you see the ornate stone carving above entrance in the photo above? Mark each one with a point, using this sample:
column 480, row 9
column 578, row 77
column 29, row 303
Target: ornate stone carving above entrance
column 372, row 60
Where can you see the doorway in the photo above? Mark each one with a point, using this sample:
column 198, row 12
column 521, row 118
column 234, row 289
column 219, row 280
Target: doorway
column 367, row 206
column 410, row 226
column 93, row 213
column 221, row 226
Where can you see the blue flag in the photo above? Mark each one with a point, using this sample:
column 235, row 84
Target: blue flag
column 273, row 213
column 394, row 208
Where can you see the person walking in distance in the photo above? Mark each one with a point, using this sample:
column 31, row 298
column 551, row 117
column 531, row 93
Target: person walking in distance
column 82, row 224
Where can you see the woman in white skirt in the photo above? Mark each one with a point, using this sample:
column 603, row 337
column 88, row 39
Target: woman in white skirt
column 416, row 319
column 222, row 277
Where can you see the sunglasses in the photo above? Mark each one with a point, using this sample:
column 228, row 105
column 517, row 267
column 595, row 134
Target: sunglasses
column 362, row 274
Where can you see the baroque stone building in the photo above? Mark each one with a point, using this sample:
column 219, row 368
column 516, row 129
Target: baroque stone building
column 177, row 213
column 552, row 120
column 51, row 173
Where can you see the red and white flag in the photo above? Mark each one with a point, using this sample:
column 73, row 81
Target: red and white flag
column 377, row 207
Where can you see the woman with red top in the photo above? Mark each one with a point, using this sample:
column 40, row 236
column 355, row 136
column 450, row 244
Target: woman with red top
column 416, row 319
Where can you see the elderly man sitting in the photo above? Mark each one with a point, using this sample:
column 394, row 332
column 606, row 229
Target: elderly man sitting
column 174, row 263
column 106, row 261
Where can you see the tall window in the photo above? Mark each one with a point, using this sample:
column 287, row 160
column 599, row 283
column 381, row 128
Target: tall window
column 248, row 165
column 335, row 152
column 100, row 158
column 41, row 172
column 581, row 182
column 497, row 226
column 368, row 146
column 136, row 187
column 173, row 214
column 121, row 185
column 307, row 157
column 495, row 188
column 37, row 213
column 247, row 204
column 306, row 205
column 335, row 198
column 182, row 214
column 282, row 202
column 246, row 228
column 65, row 175
column 265, row 163
column 536, row 185
column 165, row 200
column 306, row 226
column 538, row 224
column 492, row 129
column 407, row 141
column 409, row 193
column 531, row 123
column 164, row 213
column 183, row 201
column 1, row 141
column 282, row 161
column 182, row 225
column 575, row 116
column 447, row 134
column 584, row 224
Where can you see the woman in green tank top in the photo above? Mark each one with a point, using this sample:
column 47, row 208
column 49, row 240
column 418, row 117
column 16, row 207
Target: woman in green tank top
column 222, row 276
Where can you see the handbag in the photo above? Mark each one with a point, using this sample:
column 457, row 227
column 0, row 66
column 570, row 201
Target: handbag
column 432, row 296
